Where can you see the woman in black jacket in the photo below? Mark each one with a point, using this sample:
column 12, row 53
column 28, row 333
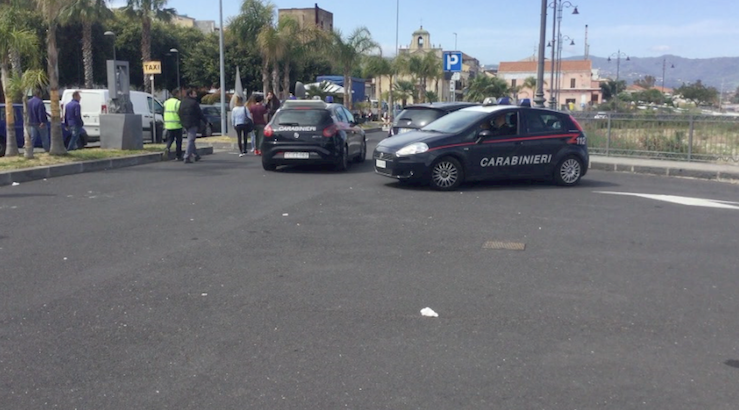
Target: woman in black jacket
column 190, row 117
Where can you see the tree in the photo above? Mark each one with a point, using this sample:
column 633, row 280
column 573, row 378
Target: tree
column 377, row 66
column 404, row 90
column 698, row 93
column 22, row 41
column 612, row 88
column 483, row 86
column 87, row 12
column 348, row 53
column 246, row 28
column 424, row 68
column 50, row 10
column 647, row 82
column 145, row 11
column 30, row 80
column 272, row 48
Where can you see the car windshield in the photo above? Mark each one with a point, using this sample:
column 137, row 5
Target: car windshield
column 301, row 117
column 417, row 117
column 455, row 122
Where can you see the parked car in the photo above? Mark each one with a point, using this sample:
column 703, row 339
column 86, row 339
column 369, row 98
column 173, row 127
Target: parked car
column 312, row 132
column 417, row 116
column 95, row 102
column 19, row 130
column 213, row 115
column 496, row 142
column 601, row 115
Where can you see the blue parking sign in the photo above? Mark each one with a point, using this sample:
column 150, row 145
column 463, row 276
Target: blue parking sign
column 452, row 61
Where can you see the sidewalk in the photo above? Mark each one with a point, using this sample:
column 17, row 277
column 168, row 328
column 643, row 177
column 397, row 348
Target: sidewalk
column 700, row 170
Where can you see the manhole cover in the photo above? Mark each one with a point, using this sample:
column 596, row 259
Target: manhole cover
column 509, row 246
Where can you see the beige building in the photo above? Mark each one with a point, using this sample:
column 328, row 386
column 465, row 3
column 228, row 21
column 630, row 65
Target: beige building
column 421, row 45
column 315, row 16
column 205, row 26
column 579, row 87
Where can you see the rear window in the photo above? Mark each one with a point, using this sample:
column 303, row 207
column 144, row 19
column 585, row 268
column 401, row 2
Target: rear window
column 213, row 111
column 418, row 117
column 301, row 117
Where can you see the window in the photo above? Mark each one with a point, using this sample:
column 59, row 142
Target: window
column 348, row 114
column 340, row 116
column 513, row 82
column 543, row 122
column 420, row 42
column 572, row 83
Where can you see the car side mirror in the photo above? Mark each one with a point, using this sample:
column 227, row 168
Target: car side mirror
column 352, row 123
column 485, row 134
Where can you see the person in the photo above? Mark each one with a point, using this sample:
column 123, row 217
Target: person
column 273, row 104
column 37, row 118
column 259, row 114
column 501, row 126
column 252, row 135
column 386, row 120
column 73, row 120
column 242, row 123
column 172, row 124
column 191, row 116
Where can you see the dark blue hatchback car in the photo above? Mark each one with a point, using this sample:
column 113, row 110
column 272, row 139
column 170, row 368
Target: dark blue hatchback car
column 19, row 136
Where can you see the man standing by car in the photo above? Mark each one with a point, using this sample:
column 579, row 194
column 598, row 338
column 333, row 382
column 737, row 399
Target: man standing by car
column 73, row 120
column 172, row 124
column 190, row 117
column 37, row 118
column 259, row 115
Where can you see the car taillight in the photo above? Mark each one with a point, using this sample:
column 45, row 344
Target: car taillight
column 104, row 109
column 330, row 131
column 268, row 131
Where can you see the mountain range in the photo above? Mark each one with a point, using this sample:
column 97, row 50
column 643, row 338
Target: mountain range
column 721, row 72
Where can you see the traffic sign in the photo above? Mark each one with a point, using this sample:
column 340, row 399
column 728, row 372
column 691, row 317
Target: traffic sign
column 152, row 67
column 453, row 61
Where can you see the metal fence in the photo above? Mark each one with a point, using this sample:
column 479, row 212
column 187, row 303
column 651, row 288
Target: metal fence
column 676, row 137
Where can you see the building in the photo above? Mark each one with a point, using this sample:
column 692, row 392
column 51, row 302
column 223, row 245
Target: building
column 579, row 87
column 205, row 26
column 314, row 16
column 421, row 45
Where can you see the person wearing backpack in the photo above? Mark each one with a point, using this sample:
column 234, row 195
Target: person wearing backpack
column 242, row 123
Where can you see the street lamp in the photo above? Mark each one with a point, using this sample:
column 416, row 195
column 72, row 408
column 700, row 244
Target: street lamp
column 562, row 40
column 112, row 34
column 177, row 52
column 224, row 114
column 664, row 66
column 455, row 41
column 558, row 6
column 618, row 56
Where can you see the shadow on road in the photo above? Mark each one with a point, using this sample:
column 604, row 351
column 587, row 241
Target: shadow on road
column 505, row 185
column 24, row 195
column 355, row 168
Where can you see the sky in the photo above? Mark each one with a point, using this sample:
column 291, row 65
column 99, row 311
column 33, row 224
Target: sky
column 508, row 30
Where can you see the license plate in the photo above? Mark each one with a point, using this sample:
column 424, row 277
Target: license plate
column 297, row 155
column 380, row 163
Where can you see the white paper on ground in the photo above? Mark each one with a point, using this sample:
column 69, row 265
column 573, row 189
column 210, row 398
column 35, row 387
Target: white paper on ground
column 428, row 312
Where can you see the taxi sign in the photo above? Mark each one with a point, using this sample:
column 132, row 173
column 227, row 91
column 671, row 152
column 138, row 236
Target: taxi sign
column 152, row 67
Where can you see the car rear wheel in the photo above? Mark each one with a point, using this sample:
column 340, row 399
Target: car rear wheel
column 363, row 153
column 568, row 171
column 343, row 164
column 446, row 174
column 268, row 166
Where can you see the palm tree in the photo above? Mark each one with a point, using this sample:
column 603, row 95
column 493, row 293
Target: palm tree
column 348, row 53
column 404, row 90
column 30, row 80
column 483, row 86
column 50, row 10
column 254, row 15
column 146, row 10
column 376, row 66
column 87, row 12
column 21, row 41
column 272, row 48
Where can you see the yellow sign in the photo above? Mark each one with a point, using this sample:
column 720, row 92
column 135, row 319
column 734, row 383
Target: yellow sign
column 152, row 67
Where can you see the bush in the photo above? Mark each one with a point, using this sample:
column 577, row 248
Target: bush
column 211, row 99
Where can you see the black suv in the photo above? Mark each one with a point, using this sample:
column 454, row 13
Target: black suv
column 312, row 132
column 417, row 116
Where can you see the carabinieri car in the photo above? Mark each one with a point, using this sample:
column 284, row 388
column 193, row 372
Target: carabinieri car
column 487, row 142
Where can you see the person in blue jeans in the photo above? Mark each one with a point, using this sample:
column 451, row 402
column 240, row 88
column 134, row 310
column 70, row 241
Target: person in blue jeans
column 37, row 118
column 73, row 120
column 190, row 117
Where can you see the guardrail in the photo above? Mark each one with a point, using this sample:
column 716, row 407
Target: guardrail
column 677, row 137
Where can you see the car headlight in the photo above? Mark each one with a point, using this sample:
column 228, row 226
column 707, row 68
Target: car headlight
column 415, row 148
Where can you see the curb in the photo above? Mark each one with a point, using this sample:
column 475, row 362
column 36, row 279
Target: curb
column 51, row 171
column 668, row 171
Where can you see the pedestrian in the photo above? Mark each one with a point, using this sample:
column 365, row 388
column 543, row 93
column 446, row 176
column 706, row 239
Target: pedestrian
column 73, row 120
column 191, row 116
column 273, row 104
column 172, row 124
column 259, row 114
column 242, row 123
column 252, row 135
column 37, row 118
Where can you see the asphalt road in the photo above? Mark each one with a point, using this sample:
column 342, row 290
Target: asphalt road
column 220, row 286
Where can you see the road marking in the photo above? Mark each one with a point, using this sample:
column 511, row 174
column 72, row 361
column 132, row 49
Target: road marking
column 681, row 200
column 511, row 246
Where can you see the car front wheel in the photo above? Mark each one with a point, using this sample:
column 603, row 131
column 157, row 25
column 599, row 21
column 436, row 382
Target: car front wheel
column 446, row 174
column 363, row 153
column 568, row 171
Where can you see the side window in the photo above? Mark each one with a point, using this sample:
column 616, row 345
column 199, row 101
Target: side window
column 151, row 103
column 543, row 122
column 158, row 108
column 339, row 114
column 348, row 114
column 501, row 124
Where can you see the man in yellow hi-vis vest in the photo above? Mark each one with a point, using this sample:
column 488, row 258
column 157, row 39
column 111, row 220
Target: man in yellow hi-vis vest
column 172, row 124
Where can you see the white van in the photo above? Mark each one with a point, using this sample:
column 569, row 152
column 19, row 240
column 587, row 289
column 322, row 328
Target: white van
column 95, row 102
